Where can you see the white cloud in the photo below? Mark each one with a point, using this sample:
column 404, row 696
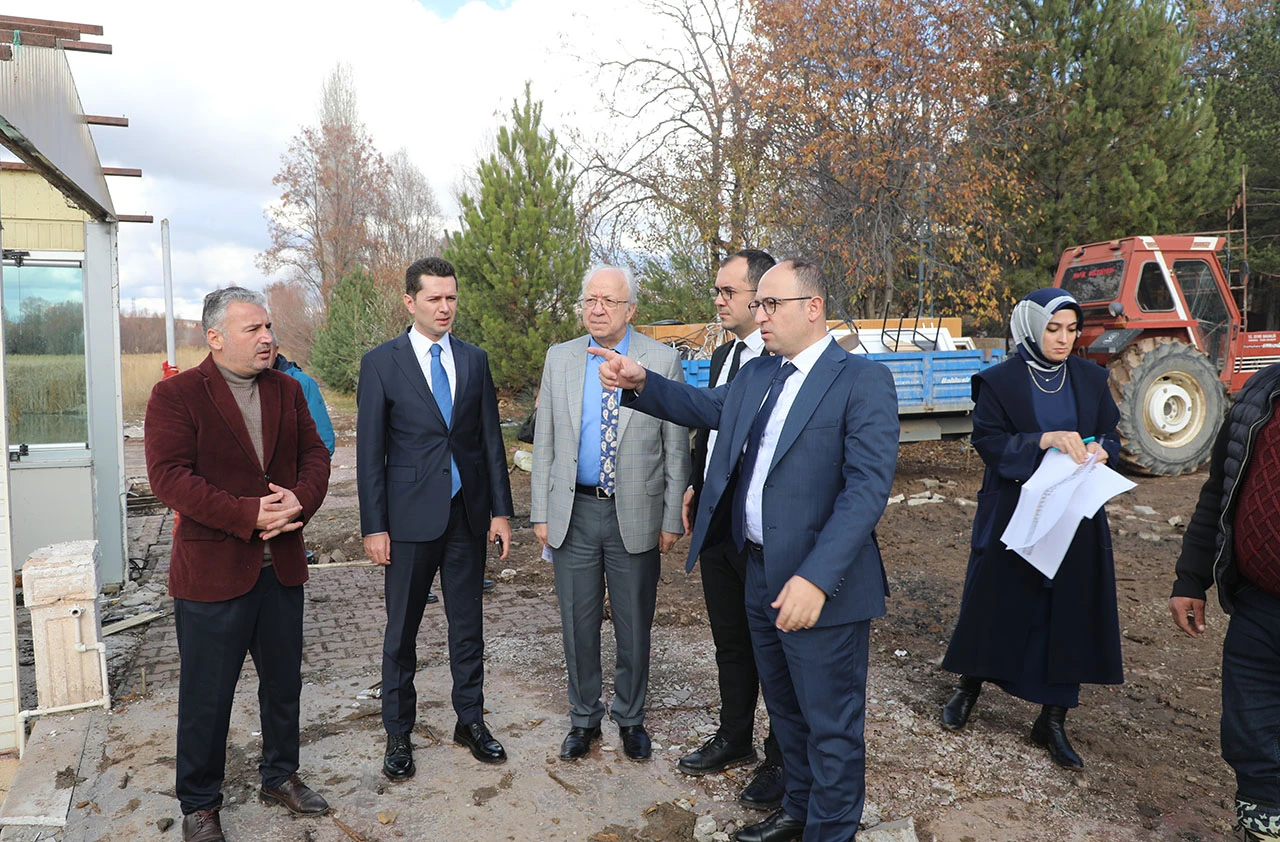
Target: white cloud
column 215, row 92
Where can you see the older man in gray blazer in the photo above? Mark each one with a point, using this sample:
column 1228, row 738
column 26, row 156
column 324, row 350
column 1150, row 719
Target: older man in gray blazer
column 607, row 492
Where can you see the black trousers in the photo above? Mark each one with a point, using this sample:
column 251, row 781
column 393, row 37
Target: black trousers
column 213, row 638
column 1251, row 697
column 458, row 555
column 724, row 579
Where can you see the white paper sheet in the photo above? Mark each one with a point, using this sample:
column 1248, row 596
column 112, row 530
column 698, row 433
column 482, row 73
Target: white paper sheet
column 1053, row 501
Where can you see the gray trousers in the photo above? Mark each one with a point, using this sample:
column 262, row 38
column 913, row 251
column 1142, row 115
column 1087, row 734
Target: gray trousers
column 591, row 556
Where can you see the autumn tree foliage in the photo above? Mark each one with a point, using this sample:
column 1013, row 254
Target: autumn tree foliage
column 332, row 190
column 296, row 314
column 883, row 148
column 343, row 207
column 521, row 253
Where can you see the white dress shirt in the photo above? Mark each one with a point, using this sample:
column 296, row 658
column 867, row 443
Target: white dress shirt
column 422, row 350
column 804, row 362
column 754, row 347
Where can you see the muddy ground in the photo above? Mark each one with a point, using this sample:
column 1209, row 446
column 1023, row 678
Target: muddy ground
column 1150, row 745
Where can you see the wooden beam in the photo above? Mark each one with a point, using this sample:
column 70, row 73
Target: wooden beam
column 20, row 166
column 70, row 33
column 135, row 217
column 84, row 47
column 6, row 52
column 83, row 28
column 29, row 39
column 131, row 622
column 100, row 120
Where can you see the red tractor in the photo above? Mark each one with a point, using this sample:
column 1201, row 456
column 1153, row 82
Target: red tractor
column 1162, row 315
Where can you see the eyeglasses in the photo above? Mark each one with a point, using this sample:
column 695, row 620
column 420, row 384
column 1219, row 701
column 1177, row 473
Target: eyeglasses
column 770, row 305
column 728, row 292
column 590, row 304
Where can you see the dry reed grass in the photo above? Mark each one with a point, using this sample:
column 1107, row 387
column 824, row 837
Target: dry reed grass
column 139, row 372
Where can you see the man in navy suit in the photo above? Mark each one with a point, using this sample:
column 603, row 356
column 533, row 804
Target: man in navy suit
column 804, row 462
column 431, row 471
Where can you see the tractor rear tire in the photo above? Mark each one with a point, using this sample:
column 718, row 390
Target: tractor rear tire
column 1171, row 405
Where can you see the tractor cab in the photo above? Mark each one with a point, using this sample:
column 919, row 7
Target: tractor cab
column 1160, row 315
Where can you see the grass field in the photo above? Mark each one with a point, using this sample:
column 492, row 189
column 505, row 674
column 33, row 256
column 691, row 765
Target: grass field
column 139, row 372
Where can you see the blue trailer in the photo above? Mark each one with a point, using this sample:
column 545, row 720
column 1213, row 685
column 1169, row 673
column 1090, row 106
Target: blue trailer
column 933, row 388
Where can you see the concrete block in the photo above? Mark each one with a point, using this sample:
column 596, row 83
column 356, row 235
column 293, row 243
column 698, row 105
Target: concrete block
column 60, row 572
column 60, row 585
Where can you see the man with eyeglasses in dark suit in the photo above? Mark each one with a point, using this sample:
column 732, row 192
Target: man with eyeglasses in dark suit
column 724, row 566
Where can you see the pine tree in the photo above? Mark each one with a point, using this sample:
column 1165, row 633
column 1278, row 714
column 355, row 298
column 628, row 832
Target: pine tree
column 522, row 253
column 1248, row 107
column 356, row 323
column 1116, row 138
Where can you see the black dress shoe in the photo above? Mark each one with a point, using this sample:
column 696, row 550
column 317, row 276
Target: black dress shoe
column 1049, row 731
column 486, row 586
column 432, row 599
column 397, row 763
column 779, row 827
column 635, row 741
column 955, row 713
column 766, row 788
column 578, row 742
column 483, row 746
column 716, row 755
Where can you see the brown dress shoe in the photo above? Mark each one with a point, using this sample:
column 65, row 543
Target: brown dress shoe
column 202, row 826
column 297, row 796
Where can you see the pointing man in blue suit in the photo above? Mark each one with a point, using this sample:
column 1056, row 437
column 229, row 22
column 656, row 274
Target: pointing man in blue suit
column 802, row 467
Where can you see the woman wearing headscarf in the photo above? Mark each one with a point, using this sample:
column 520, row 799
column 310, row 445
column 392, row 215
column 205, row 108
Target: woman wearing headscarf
column 1038, row 639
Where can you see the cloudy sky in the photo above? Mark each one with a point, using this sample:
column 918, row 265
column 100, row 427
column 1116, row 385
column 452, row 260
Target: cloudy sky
column 214, row 92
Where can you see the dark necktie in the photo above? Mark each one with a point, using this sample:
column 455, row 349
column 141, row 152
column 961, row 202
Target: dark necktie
column 444, row 400
column 748, row 463
column 608, row 441
column 739, row 347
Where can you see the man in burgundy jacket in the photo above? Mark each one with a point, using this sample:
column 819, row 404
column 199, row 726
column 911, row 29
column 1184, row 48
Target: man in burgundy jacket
column 231, row 447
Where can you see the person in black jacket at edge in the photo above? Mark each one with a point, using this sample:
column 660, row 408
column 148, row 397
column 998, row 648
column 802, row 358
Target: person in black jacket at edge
column 1233, row 541
column 1038, row 639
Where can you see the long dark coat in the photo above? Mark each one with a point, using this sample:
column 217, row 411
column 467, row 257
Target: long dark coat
column 1001, row 588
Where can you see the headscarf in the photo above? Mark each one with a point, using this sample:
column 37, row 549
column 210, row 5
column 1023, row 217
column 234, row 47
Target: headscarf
column 1031, row 316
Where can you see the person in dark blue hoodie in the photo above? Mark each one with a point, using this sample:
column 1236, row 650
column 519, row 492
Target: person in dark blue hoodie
column 310, row 390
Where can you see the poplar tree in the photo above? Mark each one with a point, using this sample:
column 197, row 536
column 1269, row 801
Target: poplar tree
column 521, row 253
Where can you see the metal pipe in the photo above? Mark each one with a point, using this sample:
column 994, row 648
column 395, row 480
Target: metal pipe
column 170, row 344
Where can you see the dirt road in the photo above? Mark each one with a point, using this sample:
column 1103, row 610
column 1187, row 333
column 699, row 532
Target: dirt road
column 1150, row 745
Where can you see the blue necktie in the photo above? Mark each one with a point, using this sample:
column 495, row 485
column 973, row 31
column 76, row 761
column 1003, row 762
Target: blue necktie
column 444, row 400
column 748, row 462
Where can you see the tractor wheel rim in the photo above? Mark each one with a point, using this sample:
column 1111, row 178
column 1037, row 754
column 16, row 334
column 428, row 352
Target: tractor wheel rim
column 1175, row 409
